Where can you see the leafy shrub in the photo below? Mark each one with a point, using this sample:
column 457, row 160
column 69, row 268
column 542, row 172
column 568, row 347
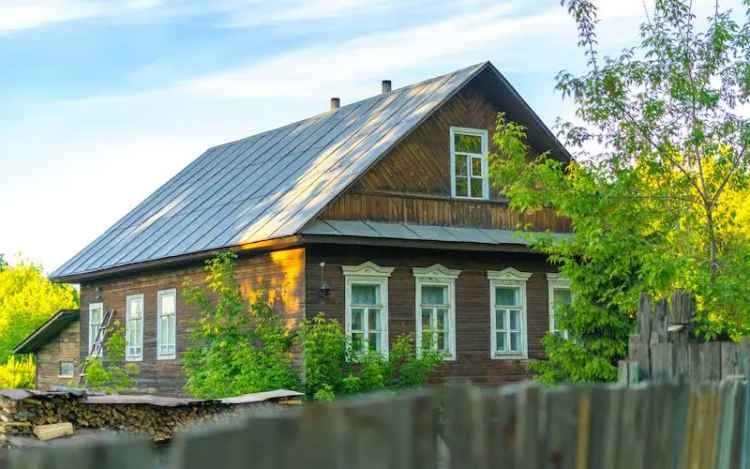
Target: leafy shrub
column 236, row 347
column 18, row 372
column 110, row 373
column 330, row 368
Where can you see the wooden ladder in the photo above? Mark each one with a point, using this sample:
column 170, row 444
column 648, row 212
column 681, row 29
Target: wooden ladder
column 98, row 347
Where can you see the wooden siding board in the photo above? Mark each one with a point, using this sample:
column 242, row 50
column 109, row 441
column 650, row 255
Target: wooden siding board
column 411, row 184
column 472, row 301
column 279, row 274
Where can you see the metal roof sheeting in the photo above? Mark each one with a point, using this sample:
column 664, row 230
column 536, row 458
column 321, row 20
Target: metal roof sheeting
column 47, row 331
column 407, row 231
column 268, row 185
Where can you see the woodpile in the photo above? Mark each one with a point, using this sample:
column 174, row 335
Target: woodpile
column 158, row 417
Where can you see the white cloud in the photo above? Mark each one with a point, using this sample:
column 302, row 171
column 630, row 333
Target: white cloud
column 350, row 66
column 26, row 14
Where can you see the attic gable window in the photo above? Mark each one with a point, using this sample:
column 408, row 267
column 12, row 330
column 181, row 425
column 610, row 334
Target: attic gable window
column 469, row 168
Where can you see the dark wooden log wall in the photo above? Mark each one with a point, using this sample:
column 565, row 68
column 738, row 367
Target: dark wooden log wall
column 279, row 274
column 64, row 347
column 412, row 184
column 472, row 301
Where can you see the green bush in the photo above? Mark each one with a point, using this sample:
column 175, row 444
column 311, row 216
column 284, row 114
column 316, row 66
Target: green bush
column 236, row 347
column 331, row 369
column 110, row 373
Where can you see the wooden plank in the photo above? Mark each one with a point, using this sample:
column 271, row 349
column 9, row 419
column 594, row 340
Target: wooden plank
column 726, row 434
column 531, row 445
column 622, row 372
column 559, row 421
column 661, row 361
column 730, row 360
column 634, row 372
column 53, row 430
column 606, row 403
column 465, row 421
column 709, row 359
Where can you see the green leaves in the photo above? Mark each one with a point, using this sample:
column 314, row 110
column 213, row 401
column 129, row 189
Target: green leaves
column 236, row 347
column 27, row 299
column 658, row 195
column 330, row 368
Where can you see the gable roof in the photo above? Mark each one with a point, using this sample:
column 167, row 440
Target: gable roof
column 272, row 184
column 47, row 331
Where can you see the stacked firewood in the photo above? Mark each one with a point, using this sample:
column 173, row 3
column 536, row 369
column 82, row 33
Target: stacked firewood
column 20, row 417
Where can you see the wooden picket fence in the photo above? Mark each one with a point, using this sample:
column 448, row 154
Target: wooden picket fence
column 649, row 425
column 662, row 348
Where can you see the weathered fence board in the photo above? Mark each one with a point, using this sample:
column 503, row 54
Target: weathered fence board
column 647, row 425
column 662, row 347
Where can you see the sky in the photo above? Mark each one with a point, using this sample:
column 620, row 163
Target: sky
column 102, row 101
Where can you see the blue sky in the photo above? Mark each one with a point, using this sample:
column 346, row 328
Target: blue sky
column 104, row 100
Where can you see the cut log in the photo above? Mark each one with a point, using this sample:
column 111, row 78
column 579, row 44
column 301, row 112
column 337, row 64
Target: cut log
column 53, row 430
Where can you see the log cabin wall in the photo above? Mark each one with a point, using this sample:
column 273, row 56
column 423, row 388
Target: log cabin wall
column 412, row 183
column 63, row 348
column 279, row 274
column 473, row 328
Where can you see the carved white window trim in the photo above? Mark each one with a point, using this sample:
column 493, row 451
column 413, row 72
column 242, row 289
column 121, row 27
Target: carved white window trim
column 511, row 278
column 368, row 273
column 437, row 275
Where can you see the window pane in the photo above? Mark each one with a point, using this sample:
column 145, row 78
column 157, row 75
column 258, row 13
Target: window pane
column 461, row 166
column 476, row 187
column 441, row 342
column 506, row 296
column 374, row 341
column 500, row 339
column 364, row 294
column 373, row 319
column 66, row 369
column 432, row 295
column 441, row 315
column 357, row 319
column 515, row 341
column 561, row 296
column 500, row 319
column 476, row 167
column 462, row 186
column 467, row 143
column 514, row 316
column 167, row 304
column 357, row 342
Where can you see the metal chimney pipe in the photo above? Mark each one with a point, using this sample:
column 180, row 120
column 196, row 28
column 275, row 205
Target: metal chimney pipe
column 335, row 103
column 386, row 84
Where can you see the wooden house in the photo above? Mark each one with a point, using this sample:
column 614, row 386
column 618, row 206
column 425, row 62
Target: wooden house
column 379, row 213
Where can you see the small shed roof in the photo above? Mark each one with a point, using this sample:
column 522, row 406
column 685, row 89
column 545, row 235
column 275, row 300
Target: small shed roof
column 47, row 331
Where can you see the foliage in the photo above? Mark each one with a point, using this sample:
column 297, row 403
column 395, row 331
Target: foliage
column 331, row 369
column 3, row 264
column 27, row 299
column 658, row 192
column 110, row 373
column 17, row 372
column 236, row 347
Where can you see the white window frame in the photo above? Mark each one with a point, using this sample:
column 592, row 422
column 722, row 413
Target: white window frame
column 59, row 369
column 440, row 276
column 160, row 355
column 92, row 333
column 510, row 278
column 128, row 356
column 556, row 281
column 485, row 164
column 368, row 273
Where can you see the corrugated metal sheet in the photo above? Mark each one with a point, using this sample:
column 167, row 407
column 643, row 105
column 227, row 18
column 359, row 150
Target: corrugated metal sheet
column 269, row 185
column 406, row 231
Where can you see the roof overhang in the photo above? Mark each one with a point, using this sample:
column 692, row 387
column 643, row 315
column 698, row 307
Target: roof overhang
column 47, row 331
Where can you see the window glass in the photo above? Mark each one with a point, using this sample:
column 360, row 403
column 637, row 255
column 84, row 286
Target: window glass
column 467, row 143
column 366, row 318
column 166, row 326
column 67, row 369
column 470, row 164
column 364, row 294
column 134, row 328
column 505, row 296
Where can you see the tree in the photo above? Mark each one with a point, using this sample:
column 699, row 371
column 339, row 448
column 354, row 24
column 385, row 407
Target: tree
column 3, row 264
column 657, row 195
column 236, row 347
column 27, row 299
column 110, row 373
